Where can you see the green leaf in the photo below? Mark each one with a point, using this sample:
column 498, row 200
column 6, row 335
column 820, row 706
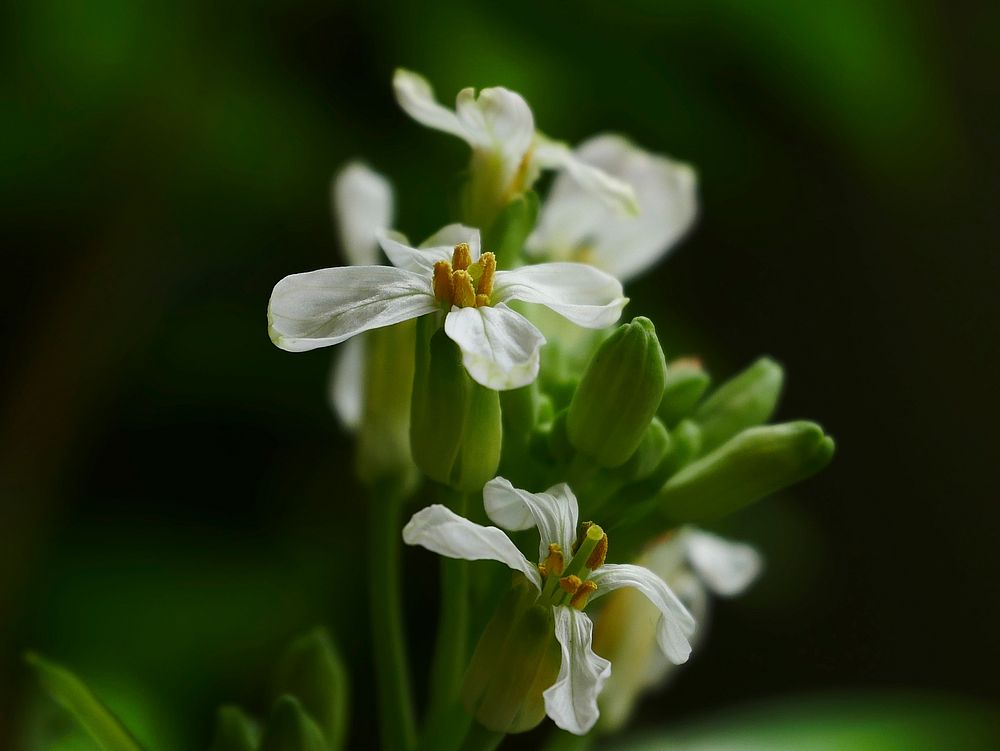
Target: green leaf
column 234, row 730
column 290, row 728
column 74, row 696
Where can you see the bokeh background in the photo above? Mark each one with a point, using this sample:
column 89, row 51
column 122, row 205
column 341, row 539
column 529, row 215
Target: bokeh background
column 175, row 496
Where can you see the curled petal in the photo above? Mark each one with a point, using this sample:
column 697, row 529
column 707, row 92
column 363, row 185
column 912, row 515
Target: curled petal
column 498, row 119
column 347, row 382
column 328, row 306
column 416, row 97
column 727, row 568
column 442, row 531
column 582, row 294
column 362, row 204
column 615, row 193
column 675, row 624
column 554, row 512
column 500, row 348
column 451, row 235
column 571, row 701
column 417, row 260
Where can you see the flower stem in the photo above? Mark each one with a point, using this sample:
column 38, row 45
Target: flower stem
column 397, row 727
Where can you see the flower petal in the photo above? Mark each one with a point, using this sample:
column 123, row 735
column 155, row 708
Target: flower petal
column 442, row 531
column 586, row 296
column 498, row 119
column 571, row 701
column 418, row 260
column 554, row 512
column 675, row 623
column 347, row 382
column 619, row 195
column 451, row 235
column 416, row 97
column 500, row 348
column 362, row 204
column 727, row 568
column 324, row 307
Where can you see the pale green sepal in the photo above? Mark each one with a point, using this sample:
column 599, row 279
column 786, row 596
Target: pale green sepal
column 747, row 399
column 74, row 696
column 234, row 730
column 290, row 728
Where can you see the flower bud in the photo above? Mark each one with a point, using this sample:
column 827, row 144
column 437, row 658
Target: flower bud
column 517, row 658
column 619, row 394
column 455, row 428
column 511, row 229
column 745, row 400
column 312, row 671
column 685, row 384
column 290, row 728
column 754, row 464
column 234, row 731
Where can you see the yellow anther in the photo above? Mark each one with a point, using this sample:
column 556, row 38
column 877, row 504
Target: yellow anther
column 582, row 596
column 554, row 562
column 442, row 281
column 482, row 301
column 596, row 559
column 462, row 293
column 488, row 262
column 584, row 532
column 461, row 259
column 570, row 584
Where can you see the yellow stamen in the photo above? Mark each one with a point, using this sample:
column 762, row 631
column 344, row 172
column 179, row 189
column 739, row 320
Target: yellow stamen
column 462, row 293
column 583, row 593
column 488, row 262
column 554, row 563
column 461, row 259
column 570, row 584
column 482, row 301
column 596, row 559
column 442, row 281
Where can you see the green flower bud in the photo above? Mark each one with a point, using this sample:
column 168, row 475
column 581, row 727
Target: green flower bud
column 517, row 658
column 312, row 671
column 754, row 464
column 686, row 383
column 455, row 429
column 290, row 728
column 653, row 449
column 234, row 731
column 511, row 229
column 383, row 449
column 619, row 394
column 743, row 401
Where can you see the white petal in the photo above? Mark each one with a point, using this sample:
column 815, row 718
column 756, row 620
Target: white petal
column 416, row 97
column 442, row 531
column 451, row 235
column 586, row 296
column 612, row 191
column 325, row 307
column 500, row 348
column 500, row 119
column 418, row 260
column 347, row 382
column 362, row 204
column 576, row 224
column 675, row 622
column 727, row 568
column 554, row 512
column 571, row 701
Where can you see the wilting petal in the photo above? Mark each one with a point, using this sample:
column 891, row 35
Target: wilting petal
column 571, row 701
column 675, row 624
column 554, row 512
column 451, row 235
column 576, row 225
column 417, row 260
column 612, row 191
column 582, row 294
column 442, row 531
column 362, row 204
column 727, row 568
column 325, row 307
column 498, row 119
column 416, row 97
column 347, row 382
column 500, row 348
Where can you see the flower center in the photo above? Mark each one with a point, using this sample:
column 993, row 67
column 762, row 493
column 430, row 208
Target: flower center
column 463, row 283
column 569, row 583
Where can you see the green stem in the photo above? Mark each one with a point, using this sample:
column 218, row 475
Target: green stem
column 397, row 726
column 451, row 650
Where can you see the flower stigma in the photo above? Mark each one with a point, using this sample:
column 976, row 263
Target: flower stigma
column 568, row 583
column 462, row 283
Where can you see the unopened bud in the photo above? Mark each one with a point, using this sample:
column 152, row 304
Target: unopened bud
column 619, row 394
column 686, row 382
column 745, row 400
column 234, row 731
column 290, row 728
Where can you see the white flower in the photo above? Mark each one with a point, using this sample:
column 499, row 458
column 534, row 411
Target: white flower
column 575, row 226
column 498, row 124
column 500, row 348
column 567, row 583
column 361, row 201
column 693, row 563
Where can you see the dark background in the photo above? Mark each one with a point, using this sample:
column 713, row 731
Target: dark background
column 176, row 497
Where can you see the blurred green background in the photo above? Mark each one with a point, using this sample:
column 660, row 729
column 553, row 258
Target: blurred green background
column 175, row 496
